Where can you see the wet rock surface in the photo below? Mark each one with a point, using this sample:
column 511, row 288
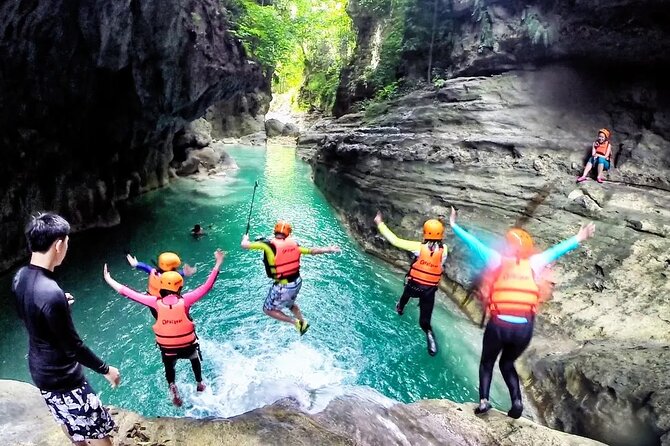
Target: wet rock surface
column 346, row 421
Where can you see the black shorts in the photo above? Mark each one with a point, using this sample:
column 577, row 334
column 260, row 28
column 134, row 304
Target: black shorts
column 190, row 352
column 81, row 412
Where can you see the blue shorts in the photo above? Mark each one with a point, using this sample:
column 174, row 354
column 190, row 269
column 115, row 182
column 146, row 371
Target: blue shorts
column 282, row 296
column 81, row 412
column 595, row 160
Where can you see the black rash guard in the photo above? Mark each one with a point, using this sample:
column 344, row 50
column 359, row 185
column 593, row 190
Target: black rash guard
column 56, row 353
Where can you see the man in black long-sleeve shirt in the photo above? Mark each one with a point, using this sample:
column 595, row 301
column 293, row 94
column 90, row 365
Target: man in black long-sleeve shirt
column 56, row 352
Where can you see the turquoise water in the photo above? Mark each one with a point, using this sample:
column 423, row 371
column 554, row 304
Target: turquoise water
column 356, row 343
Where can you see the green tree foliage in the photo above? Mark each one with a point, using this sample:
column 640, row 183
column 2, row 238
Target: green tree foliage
column 428, row 36
column 305, row 43
column 416, row 41
column 266, row 31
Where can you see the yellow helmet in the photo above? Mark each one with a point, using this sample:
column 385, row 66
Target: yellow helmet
column 283, row 227
column 171, row 281
column 168, row 261
column 433, row 230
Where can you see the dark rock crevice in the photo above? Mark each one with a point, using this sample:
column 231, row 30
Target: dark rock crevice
column 92, row 94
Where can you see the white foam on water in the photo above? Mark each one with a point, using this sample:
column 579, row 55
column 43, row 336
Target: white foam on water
column 243, row 379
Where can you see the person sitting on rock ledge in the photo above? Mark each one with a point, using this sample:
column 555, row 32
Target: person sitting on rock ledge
column 424, row 274
column 601, row 154
column 514, row 296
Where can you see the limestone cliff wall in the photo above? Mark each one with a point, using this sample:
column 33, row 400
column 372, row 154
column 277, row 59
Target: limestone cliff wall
column 522, row 89
column 483, row 37
column 506, row 149
column 91, row 94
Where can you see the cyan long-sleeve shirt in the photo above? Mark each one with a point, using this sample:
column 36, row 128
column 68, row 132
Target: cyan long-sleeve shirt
column 493, row 259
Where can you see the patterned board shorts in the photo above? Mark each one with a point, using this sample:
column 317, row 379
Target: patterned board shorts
column 81, row 412
column 282, row 296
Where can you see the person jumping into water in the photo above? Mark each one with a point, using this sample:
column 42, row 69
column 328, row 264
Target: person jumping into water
column 281, row 256
column 512, row 302
column 425, row 273
column 167, row 261
column 56, row 353
column 174, row 329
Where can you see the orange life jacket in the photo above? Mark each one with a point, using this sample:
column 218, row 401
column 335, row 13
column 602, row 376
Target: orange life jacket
column 173, row 328
column 427, row 269
column 287, row 258
column 514, row 291
column 154, row 284
column 601, row 149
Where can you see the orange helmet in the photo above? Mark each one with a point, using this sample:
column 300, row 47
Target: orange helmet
column 171, row 281
column 519, row 242
column 433, row 230
column 283, row 227
column 605, row 132
column 168, row 261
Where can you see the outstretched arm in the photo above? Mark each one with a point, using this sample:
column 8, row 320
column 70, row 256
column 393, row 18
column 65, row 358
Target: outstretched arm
column 490, row 257
column 144, row 299
column 132, row 260
column 317, row 251
column 540, row 261
column 193, row 296
column 407, row 245
column 260, row 245
column 245, row 244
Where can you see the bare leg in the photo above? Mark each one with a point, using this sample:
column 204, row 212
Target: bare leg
column 296, row 312
column 600, row 170
column 279, row 315
column 107, row 441
column 587, row 169
column 76, row 443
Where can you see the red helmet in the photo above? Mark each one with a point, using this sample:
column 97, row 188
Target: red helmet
column 605, row 132
column 283, row 227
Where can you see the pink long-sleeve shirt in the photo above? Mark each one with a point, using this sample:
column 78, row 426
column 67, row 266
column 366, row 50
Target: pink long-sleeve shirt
column 189, row 298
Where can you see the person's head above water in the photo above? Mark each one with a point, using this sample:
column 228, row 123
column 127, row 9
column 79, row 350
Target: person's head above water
column 197, row 229
column 168, row 261
column 171, row 283
column 603, row 135
column 283, row 229
column 518, row 243
column 433, row 230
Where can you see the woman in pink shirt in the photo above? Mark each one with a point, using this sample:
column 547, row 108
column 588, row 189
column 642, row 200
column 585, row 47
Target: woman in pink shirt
column 174, row 329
